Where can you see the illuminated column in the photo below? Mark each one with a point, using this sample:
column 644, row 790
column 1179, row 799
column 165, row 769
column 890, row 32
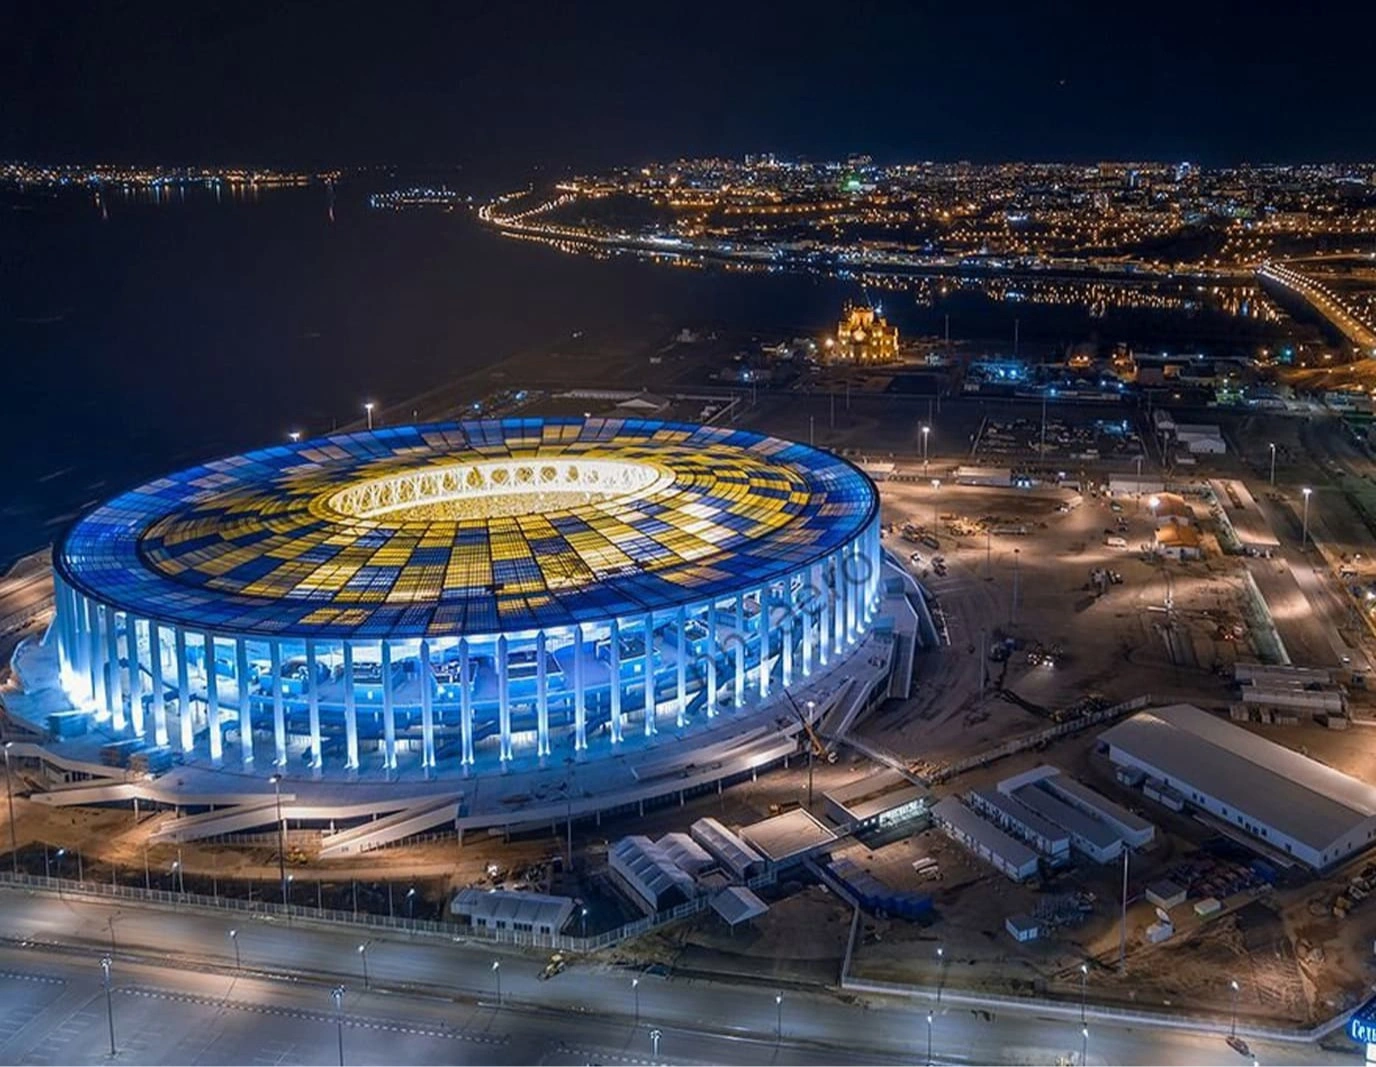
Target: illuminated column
column 427, row 708
column 838, row 605
column 279, row 719
column 313, row 704
column 857, row 592
column 739, row 695
column 95, row 656
column 114, row 701
column 212, row 702
column 503, row 699
column 580, row 709
column 808, row 627
column 81, row 643
column 765, row 628
column 245, row 703
column 155, row 669
column 389, row 717
column 712, row 659
column 186, row 726
column 466, row 703
column 788, row 651
column 681, row 671
column 614, row 688
column 651, row 726
column 541, row 698
column 823, row 615
column 135, row 684
column 350, row 709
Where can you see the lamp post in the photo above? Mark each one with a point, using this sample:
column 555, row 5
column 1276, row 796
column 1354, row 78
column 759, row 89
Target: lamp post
column 9, row 797
column 234, row 939
column 363, row 955
column 654, row 1044
column 811, row 753
column 1304, row 539
column 936, row 484
column 1084, row 981
column 294, row 436
column 276, row 780
column 583, row 920
column 940, row 970
column 109, row 1001
column 926, row 432
column 1232, row 1028
column 368, row 407
column 411, row 903
column 497, row 970
column 635, row 989
column 338, row 994
column 1273, row 464
column 1084, row 1045
column 779, row 1018
column 929, row 1039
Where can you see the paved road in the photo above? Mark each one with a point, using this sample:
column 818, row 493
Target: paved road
column 440, row 999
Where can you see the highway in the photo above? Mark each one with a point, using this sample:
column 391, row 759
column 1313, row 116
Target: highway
column 1326, row 302
column 179, row 997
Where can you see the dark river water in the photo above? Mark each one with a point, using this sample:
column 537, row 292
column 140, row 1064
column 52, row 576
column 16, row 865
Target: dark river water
column 141, row 336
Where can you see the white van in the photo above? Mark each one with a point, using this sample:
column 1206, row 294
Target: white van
column 1116, row 542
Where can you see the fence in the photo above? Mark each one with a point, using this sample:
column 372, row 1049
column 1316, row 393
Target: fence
column 427, row 927
column 1021, row 744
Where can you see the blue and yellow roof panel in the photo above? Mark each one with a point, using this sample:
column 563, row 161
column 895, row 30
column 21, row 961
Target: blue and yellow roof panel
column 250, row 545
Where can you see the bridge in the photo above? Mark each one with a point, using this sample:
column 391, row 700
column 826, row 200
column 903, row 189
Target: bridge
column 1342, row 316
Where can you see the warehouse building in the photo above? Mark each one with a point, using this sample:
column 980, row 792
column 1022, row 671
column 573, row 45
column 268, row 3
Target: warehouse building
column 648, row 875
column 1088, row 835
column 729, row 848
column 1022, row 822
column 985, row 839
column 1295, row 805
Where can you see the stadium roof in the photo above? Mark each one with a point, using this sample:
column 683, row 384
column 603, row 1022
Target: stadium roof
column 1293, row 794
column 477, row 527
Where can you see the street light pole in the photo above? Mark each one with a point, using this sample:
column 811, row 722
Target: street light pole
column 940, row 970
column 1273, row 464
column 1084, row 1045
column 109, row 1001
column 1232, row 1029
column 811, row 753
column 338, row 995
column 281, row 835
column 1084, row 981
column 929, row 1039
column 497, row 970
column 936, row 484
column 654, row 1044
column 234, row 937
column 368, row 407
column 635, row 988
column 779, row 1021
column 926, row 430
column 9, row 797
column 363, row 954
column 1304, row 539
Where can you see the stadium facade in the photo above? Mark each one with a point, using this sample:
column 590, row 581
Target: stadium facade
column 462, row 597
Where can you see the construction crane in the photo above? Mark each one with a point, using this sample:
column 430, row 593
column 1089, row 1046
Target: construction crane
column 815, row 746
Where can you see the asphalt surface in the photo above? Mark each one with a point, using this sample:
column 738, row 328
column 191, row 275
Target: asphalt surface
column 179, row 998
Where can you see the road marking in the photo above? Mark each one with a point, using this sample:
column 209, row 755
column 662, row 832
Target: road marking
column 358, row 1022
column 22, row 976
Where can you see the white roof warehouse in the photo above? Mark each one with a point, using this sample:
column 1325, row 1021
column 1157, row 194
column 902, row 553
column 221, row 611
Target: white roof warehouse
column 1294, row 804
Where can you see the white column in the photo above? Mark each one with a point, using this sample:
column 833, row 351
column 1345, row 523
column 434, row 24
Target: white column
column 427, row 708
column 541, row 698
column 245, row 703
column 155, row 667
column 212, row 702
column 739, row 695
column 614, row 672
column 681, row 670
column 186, row 724
column 313, row 705
column 764, row 641
column 114, row 685
column 580, row 708
column 838, row 604
column 350, row 708
column 651, row 726
column 712, row 660
column 465, row 703
column 389, row 717
column 95, row 655
column 788, row 651
column 503, row 699
column 131, row 656
column 279, row 714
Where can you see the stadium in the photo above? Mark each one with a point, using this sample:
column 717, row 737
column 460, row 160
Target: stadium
column 462, row 598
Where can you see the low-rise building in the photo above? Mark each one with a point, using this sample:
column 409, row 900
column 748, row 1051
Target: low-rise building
column 984, row 839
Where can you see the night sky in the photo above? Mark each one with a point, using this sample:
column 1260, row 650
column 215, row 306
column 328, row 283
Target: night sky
column 506, row 86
